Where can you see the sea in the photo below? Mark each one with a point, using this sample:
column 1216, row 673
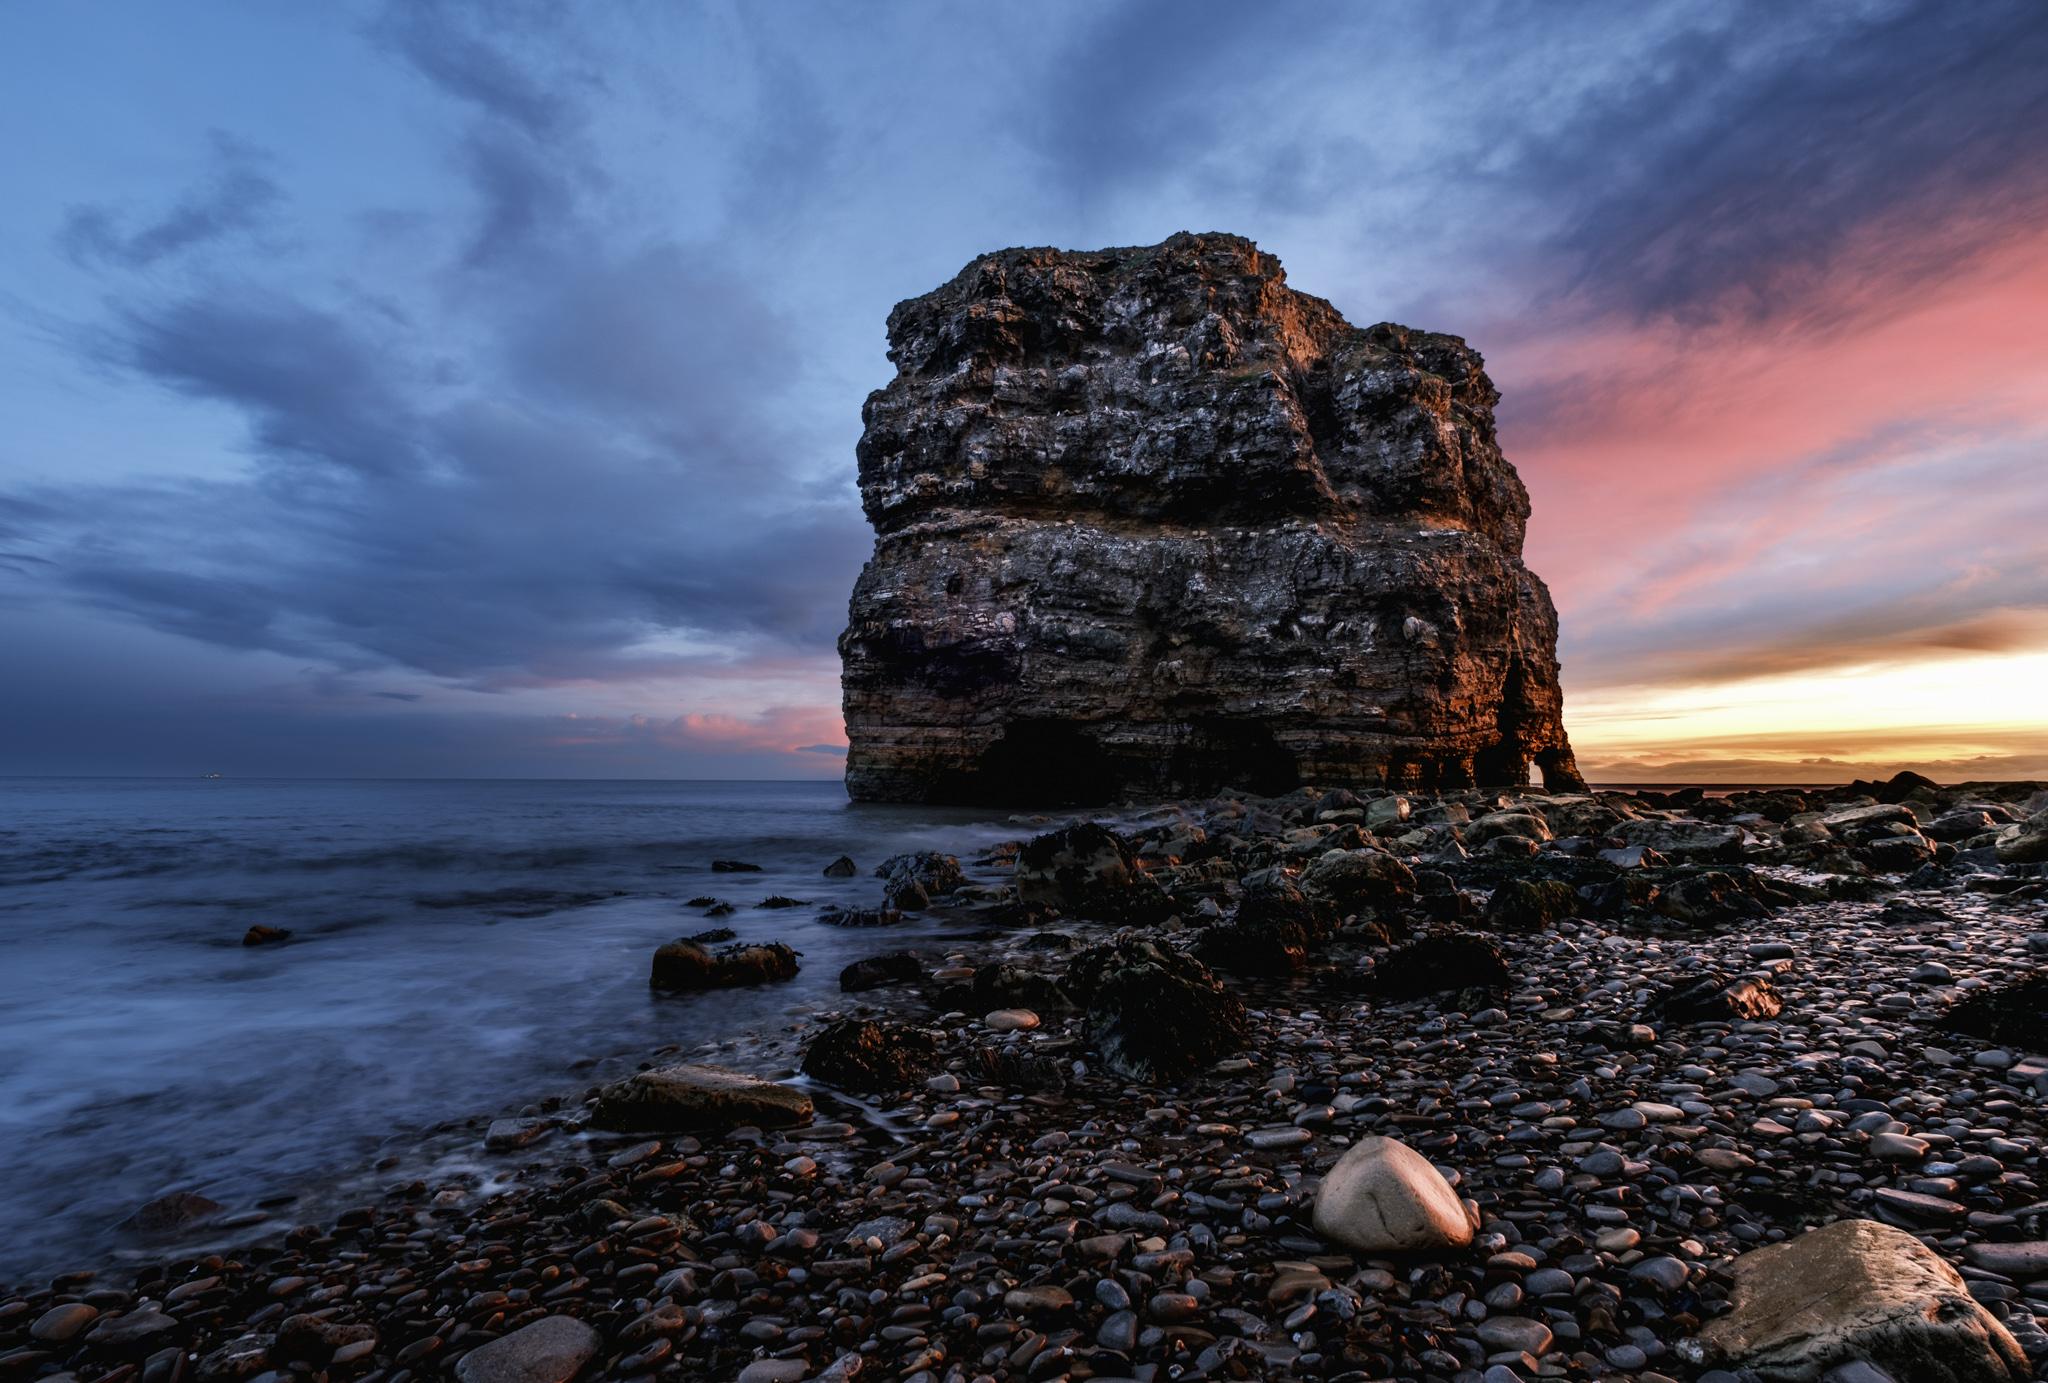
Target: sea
column 458, row 949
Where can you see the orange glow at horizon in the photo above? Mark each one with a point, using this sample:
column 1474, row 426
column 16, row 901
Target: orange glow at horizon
column 1817, row 725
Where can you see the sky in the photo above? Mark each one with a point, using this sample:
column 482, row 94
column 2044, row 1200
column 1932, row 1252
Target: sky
column 446, row 389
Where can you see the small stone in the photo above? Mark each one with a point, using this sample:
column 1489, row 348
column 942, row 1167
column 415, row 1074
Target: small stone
column 1011, row 1020
column 60, row 1323
column 1897, row 1147
column 1517, row 1333
column 506, row 1135
column 1038, row 1301
column 1273, row 1139
column 776, row 1370
column 1665, row 1273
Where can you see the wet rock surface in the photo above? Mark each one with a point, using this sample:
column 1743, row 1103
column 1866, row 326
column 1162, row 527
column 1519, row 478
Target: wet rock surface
column 688, row 964
column 857, row 1054
column 1148, row 519
column 1111, row 1160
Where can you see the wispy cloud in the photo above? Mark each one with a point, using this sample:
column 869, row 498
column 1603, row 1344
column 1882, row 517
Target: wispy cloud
column 237, row 196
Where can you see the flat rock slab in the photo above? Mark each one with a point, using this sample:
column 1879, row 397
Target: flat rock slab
column 1856, row 1290
column 693, row 1098
column 553, row 1349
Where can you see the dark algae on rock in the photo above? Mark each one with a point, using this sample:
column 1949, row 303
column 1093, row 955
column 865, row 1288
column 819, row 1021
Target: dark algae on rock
column 1151, row 522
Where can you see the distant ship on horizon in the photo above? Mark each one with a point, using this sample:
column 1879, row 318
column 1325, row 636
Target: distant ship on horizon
column 209, row 775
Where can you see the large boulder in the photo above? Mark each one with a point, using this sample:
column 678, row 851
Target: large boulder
column 1515, row 825
column 687, row 965
column 1148, row 521
column 2026, row 843
column 1685, row 841
column 1855, row 1291
column 1530, row 905
column 692, row 1098
column 1274, row 930
column 1153, row 1013
column 911, row 881
column 1358, row 880
column 872, row 1058
column 1384, row 1197
column 1088, row 870
column 1710, row 895
column 873, row 972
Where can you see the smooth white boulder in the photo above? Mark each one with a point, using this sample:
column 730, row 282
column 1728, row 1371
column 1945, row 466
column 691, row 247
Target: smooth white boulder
column 1385, row 1197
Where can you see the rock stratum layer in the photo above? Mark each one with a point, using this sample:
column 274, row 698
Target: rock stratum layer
column 1150, row 522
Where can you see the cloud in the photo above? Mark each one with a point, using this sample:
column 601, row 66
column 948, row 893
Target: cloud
column 774, row 730
column 1739, row 168
column 440, row 42
column 569, row 458
column 237, row 196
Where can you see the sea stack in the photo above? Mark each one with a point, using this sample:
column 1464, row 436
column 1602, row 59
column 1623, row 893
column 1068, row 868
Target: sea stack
column 1151, row 523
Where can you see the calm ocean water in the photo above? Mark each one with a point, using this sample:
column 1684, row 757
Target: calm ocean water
column 457, row 948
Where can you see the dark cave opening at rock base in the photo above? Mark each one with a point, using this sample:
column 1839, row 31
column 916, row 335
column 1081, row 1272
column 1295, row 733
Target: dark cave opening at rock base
column 1066, row 763
column 1047, row 763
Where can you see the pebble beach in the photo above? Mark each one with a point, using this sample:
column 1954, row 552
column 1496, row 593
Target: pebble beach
column 1591, row 1064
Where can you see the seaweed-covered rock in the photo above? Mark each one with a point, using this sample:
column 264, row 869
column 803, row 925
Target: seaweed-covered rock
column 1015, row 1068
column 911, row 881
column 873, row 1058
column 2010, row 1015
column 1711, row 895
column 1153, row 1013
column 859, row 917
column 1530, row 905
column 873, row 972
column 1087, row 870
column 1360, row 879
column 1273, row 932
column 687, row 965
column 999, row 984
column 1442, row 963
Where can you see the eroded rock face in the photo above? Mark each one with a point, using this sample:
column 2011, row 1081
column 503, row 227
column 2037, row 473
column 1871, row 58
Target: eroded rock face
column 1150, row 522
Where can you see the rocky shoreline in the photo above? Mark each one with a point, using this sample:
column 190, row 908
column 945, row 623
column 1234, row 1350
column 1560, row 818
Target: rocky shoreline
column 1590, row 1064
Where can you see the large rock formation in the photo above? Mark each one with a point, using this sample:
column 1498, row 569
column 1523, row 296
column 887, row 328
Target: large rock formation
column 1150, row 522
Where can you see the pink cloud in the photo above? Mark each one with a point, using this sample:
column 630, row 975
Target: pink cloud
column 1638, row 427
column 793, row 730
